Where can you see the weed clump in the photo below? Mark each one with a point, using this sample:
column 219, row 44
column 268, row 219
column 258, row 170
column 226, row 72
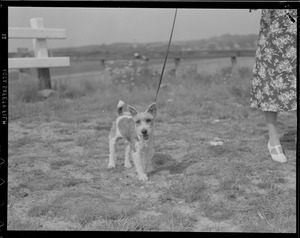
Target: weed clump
column 38, row 211
column 190, row 188
column 131, row 74
column 25, row 90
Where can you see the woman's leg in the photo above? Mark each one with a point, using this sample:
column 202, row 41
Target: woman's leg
column 271, row 118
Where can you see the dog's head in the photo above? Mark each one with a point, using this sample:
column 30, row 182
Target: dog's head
column 144, row 121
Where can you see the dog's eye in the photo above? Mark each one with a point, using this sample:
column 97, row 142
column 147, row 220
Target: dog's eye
column 138, row 121
column 148, row 120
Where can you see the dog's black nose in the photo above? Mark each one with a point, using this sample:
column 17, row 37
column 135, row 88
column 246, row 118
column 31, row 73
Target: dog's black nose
column 144, row 131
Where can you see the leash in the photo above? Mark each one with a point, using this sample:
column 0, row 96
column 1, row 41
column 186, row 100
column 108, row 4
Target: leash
column 163, row 69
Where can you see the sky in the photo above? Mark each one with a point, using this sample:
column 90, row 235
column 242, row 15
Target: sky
column 95, row 26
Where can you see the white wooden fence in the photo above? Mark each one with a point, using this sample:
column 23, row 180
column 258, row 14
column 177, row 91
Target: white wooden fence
column 41, row 61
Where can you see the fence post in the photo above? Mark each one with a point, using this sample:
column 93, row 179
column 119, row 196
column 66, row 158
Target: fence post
column 177, row 63
column 103, row 63
column 233, row 65
column 41, row 51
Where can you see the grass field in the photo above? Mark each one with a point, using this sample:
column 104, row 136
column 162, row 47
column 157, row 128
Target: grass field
column 58, row 155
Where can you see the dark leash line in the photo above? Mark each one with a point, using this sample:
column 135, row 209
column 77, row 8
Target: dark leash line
column 163, row 69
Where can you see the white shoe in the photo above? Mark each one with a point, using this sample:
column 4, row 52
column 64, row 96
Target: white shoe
column 278, row 156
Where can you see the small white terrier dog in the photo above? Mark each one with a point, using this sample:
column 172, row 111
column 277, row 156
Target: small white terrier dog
column 137, row 129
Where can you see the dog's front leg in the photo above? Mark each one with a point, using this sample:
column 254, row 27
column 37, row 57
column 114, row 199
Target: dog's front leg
column 136, row 157
column 112, row 152
column 148, row 158
column 127, row 163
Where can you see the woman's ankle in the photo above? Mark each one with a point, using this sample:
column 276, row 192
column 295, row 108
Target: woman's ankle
column 274, row 140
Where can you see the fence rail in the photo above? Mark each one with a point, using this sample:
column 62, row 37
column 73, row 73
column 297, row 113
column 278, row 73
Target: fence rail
column 25, row 63
column 29, row 33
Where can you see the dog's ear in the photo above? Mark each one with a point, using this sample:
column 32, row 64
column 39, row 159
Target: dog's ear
column 152, row 109
column 132, row 110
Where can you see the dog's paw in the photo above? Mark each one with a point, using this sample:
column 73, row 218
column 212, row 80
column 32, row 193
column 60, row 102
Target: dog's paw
column 128, row 165
column 110, row 166
column 143, row 177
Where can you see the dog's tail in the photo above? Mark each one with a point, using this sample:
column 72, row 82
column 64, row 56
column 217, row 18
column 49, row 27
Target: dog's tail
column 120, row 106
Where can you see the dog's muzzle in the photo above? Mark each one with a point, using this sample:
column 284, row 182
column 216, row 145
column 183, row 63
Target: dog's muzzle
column 145, row 134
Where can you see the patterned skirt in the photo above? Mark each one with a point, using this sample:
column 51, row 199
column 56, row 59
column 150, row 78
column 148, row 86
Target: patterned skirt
column 274, row 74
